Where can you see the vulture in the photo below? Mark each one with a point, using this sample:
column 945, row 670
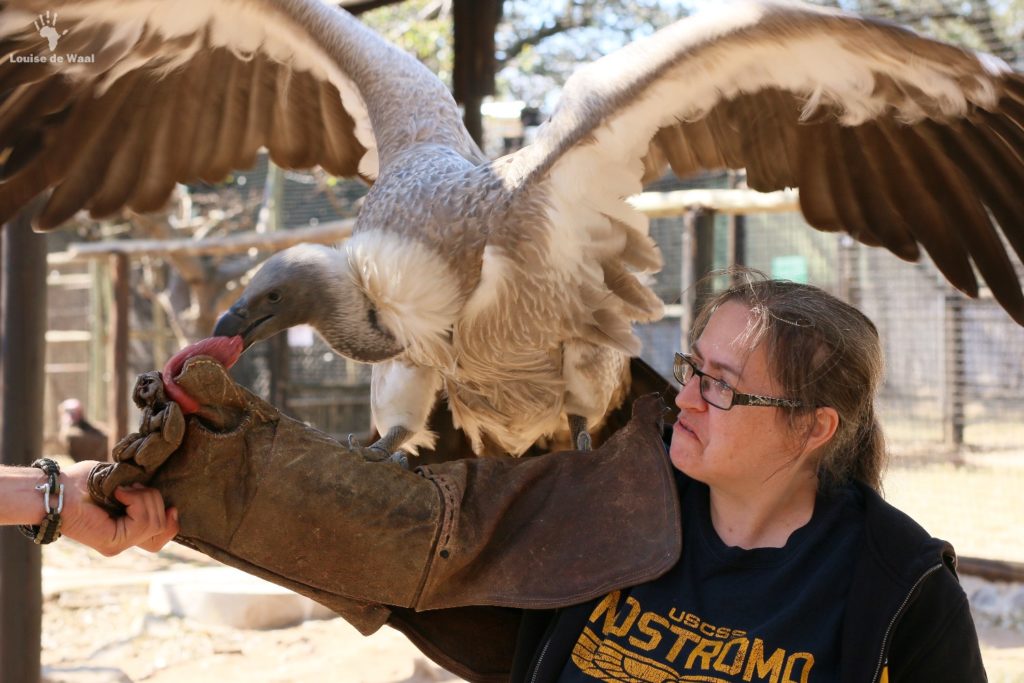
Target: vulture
column 78, row 437
column 513, row 284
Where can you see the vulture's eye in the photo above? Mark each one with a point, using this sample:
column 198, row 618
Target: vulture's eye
column 274, row 297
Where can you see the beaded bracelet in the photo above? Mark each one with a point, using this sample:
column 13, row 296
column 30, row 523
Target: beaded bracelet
column 48, row 530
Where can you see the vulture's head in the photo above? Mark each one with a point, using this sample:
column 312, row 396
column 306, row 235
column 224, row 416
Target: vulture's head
column 310, row 284
column 71, row 411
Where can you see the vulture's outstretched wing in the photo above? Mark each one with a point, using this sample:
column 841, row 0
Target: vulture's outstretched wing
column 138, row 95
column 897, row 139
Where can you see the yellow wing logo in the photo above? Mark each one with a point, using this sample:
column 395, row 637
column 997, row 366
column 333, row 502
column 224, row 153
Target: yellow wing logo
column 610, row 662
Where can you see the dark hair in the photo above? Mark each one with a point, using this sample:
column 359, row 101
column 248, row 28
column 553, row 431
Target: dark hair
column 823, row 352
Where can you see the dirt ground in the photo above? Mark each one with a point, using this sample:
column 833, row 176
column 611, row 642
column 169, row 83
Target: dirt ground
column 97, row 629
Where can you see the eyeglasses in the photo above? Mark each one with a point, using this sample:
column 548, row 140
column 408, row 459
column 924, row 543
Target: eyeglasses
column 719, row 394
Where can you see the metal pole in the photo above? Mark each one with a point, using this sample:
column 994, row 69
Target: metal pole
column 956, row 375
column 280, row 352
column 23, row 350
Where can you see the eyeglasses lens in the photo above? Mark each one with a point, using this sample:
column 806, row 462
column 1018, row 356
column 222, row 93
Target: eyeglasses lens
column 712, row 390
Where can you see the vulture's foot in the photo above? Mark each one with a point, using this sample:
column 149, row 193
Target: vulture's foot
column 400, row 458
column 580, row 435
column 384, row 449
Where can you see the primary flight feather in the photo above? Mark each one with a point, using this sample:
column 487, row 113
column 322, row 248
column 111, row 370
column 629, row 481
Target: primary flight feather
column 511, row 284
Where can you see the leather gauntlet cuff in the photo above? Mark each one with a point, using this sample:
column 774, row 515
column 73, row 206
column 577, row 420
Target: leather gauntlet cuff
column 259, row 491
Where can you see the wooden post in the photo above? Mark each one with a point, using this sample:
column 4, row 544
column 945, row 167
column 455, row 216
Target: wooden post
column 687, row 277
column 118, row 364
column 23, row 350
column 703, row 255
column 736, row 253
column 738, row 239
column 473, row 26
column 473, row 118
column 280, row 367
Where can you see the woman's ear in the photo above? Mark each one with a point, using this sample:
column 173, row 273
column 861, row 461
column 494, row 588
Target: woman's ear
column 826, row 422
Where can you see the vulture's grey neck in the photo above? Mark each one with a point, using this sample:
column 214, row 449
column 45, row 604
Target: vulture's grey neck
column 348, row 321
column 314, row 285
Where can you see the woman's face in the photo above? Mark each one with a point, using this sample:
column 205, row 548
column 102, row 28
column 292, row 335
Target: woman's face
column 742, row 447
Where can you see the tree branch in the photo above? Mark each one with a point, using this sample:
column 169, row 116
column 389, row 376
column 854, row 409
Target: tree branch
column 560, row 25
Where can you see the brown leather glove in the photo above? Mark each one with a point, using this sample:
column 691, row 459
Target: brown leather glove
column 265, row 493
column 372, row 541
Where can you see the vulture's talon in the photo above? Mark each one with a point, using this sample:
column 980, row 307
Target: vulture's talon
column 376, row 452
column 584, row 442
column 580, row 435
column 399, row 458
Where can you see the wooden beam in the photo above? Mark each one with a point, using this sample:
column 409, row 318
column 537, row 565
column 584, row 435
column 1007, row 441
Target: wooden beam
column 325, row 233
column 659, row 204
column 991, row 570
column 118, row 365
column 653, row 204
column 23, row 352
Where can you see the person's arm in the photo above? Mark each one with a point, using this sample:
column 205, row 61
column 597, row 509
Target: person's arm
column 146, row 523
column 936, row 639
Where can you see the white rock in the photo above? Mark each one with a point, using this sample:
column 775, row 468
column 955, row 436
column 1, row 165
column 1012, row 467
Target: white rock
column 228, row 597
column 83, row 674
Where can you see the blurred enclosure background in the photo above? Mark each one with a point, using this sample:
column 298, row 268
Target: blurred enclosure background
column 953, row 399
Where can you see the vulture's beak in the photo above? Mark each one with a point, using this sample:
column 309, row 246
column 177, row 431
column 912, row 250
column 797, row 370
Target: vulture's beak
column 237, row 320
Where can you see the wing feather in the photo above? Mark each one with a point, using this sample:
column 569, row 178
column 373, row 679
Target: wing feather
column 123, row 174
column 340, row 145
column 966, row 217
column 816, row 200
column 288, row 135
column 261, row 104
column 842, row 171
column 922, row 210
column 227, row 150
column 157, row 180
column 770, row 138
column 208, row 114
column 872, row 177
column 88, row 154
column 966, row 147
column 212, row 83
column 858, row 114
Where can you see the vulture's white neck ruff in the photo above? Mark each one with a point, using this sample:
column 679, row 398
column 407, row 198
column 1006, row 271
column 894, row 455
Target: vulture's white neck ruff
column 414, row 291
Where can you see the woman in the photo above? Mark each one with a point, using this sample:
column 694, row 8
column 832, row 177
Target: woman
column 792, row 568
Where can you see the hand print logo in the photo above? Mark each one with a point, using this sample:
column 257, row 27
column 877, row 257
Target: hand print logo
column 46, row 24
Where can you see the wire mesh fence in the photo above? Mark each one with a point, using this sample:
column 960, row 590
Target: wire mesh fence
column 954, row 373
column 954, row 376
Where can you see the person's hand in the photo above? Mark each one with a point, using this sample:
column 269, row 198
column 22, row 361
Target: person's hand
column 146, row 523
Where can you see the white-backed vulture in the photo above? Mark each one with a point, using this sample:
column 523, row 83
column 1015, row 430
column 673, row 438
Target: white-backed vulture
column 512, row 284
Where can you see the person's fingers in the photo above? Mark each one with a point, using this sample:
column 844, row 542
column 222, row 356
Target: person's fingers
column 162, row 538
column 146, row 522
